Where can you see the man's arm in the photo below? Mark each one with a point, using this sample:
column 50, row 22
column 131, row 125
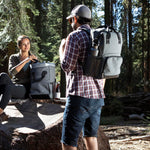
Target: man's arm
column 61, row 49
column 104, row 81
column 69, row 51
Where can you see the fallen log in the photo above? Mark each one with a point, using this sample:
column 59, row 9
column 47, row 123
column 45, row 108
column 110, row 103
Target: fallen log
column 146, row 137
column 37, row 126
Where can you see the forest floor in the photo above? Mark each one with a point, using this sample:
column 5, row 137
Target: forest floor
column 128, row 135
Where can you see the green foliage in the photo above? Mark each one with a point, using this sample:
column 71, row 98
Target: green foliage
column 53, row 39
column 42, row 21
column 15, row 21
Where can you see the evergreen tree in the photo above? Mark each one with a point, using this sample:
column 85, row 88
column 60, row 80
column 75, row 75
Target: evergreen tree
column 14, row 21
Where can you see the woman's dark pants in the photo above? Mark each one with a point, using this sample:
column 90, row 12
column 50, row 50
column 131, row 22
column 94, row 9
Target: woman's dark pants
column 9, row 90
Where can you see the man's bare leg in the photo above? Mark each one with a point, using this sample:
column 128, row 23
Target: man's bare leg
column 67, row 147
column 91, row 143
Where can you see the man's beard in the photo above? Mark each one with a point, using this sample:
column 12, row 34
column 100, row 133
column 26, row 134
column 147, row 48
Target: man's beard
column 73, row 25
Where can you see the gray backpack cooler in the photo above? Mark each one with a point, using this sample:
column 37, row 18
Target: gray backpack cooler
column 42, row 80
column 103, row 59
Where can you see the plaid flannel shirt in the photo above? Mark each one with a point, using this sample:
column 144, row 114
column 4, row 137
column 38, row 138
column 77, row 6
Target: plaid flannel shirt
column 77, row 83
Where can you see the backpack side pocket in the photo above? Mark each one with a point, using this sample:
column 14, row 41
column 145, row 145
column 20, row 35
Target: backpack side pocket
column 113, row 67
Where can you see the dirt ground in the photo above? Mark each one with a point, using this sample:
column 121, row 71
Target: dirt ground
column 129, row 135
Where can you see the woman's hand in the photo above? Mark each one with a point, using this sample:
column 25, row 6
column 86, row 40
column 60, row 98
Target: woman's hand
column 33, row 58
column 22, row 63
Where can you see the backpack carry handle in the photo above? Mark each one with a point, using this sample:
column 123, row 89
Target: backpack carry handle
column 108, row 27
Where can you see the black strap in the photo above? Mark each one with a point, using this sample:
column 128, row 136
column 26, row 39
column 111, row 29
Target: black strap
column 88, row 31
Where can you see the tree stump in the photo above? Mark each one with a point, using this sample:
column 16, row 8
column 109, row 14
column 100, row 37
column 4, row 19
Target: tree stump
column 36, row 126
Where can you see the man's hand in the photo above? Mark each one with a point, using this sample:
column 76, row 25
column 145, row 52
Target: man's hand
column 61, row 49
column 104, row 81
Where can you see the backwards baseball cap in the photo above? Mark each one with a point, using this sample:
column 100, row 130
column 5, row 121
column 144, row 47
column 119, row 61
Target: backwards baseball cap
column 81, row 11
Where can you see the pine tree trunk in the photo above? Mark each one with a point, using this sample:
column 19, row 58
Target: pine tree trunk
column 130, row 66
column 64, row 35
column 107, row 12
column 145, row 47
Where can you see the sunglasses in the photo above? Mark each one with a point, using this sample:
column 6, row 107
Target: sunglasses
column 71, row 20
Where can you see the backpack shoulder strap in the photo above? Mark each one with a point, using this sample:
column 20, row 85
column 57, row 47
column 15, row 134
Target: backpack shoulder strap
column 89, row 45
column 88, row 31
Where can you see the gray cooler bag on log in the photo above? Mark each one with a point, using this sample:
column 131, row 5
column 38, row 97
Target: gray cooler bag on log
column 42, row 80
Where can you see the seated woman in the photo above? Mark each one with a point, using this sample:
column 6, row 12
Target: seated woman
column 19, row 69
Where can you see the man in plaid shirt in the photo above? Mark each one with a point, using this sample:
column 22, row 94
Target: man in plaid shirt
column 85, row 95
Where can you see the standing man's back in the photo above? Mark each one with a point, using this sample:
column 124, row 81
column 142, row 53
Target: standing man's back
column 85, row 95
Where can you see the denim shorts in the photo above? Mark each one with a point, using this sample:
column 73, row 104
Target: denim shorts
column 80, row 114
